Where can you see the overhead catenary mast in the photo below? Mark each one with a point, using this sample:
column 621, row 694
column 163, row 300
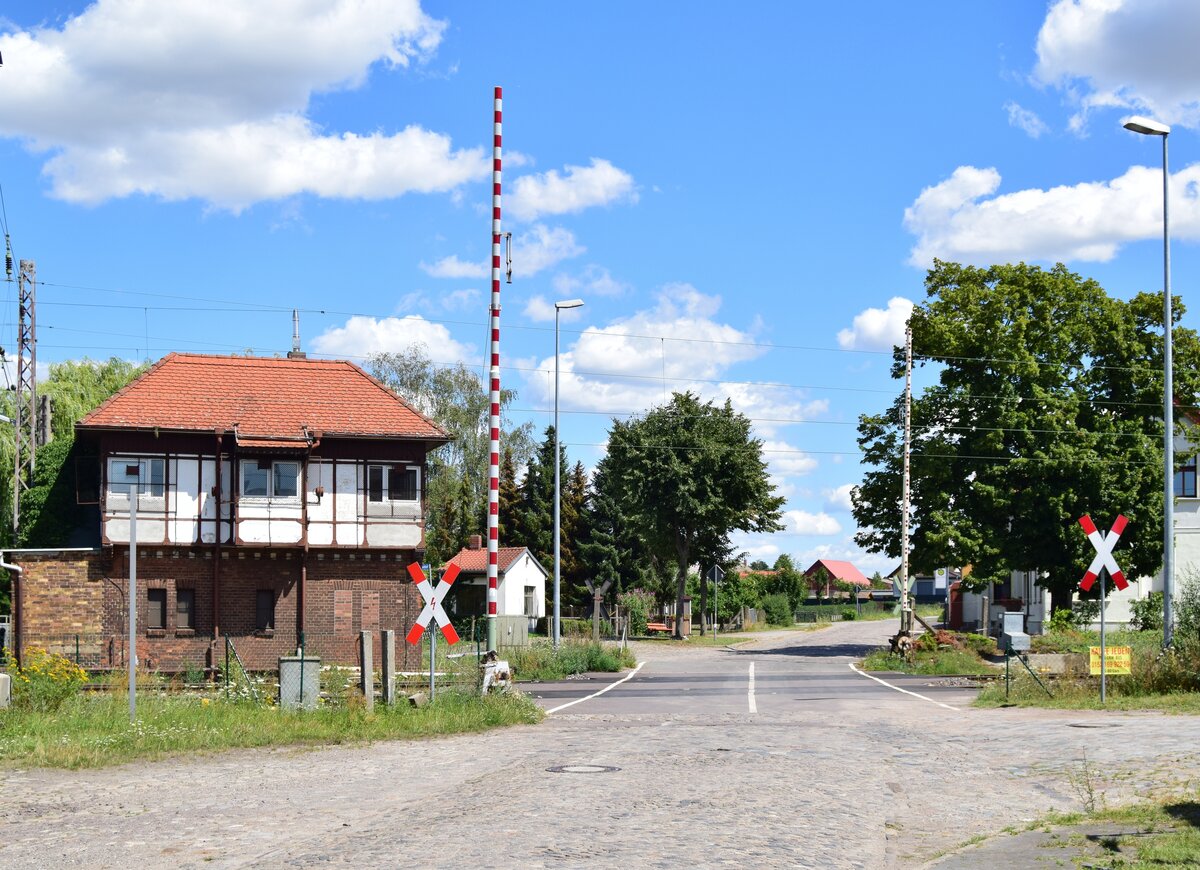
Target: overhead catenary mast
column 26, row 404
column 493, row 540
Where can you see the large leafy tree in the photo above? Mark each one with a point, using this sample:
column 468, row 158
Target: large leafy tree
column 1046, row 406
column 689, row 473
column 456, row 490
column 49, row 513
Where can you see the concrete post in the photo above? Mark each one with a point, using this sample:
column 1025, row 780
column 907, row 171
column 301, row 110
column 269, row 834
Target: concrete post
column 366, row 661
column 388, row 665
column 5, row 690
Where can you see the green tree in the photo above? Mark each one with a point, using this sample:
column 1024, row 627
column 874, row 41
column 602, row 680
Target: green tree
column 574, row 522
column 1047, row 406
column 49, row 513
column 510, row 501
column 611, row 549
column 820, row 581
column 456, row 490
column 537, row 502
column 786, row 581
column 690, row 473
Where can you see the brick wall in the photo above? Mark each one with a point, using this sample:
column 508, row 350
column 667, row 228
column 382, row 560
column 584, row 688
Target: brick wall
column 68, row 595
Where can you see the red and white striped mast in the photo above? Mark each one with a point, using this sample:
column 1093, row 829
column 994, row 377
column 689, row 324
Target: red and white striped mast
column 493, row 543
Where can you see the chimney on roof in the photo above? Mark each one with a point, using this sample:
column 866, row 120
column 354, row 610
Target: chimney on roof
column 475, row 542
column 296, row 352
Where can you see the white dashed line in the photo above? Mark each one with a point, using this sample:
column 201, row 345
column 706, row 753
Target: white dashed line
column 750, row 690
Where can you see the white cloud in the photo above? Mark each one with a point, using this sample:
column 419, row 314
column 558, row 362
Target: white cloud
column 838, row 498
column 1120, row 53
column 455, row 300
column 453, row 267
column 363, row 336
column 1025, row 119
column 878, row 328
column 786, row 459
column 581, row 187
column 626, row 366
column 460, row 300
column 207, row 99
column 804, row 523
column 761, row 552
column 539, row 309
column 542, row 248
column 956, row 220
column 592, row 281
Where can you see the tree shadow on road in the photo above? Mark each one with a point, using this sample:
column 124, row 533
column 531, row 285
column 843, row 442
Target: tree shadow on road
column 815, row 651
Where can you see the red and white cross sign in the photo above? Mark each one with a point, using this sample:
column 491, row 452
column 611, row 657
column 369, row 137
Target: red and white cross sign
column 1104, row 546
column 433, row 604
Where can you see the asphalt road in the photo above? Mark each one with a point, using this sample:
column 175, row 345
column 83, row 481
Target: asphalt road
column 682, row 763
column 775, row 673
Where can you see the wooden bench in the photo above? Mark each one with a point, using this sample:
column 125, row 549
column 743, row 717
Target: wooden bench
column 657, row 626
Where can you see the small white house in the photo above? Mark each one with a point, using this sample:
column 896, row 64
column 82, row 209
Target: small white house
column 521, row 580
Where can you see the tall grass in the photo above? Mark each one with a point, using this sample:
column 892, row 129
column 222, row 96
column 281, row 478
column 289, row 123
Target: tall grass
column 929, row 662
column 95, row 731
column 539, row 660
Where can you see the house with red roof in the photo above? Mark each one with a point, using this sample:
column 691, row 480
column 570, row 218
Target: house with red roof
column 521, row 582
column 273, row 499
column 822, row 573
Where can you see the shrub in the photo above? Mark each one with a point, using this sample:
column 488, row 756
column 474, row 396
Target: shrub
column 778, row 609
column 45, row 681
column 980, row 644
column 1147, row 613
column 1087, row 611
column 1187, row 608
column 1061, row 620
column 541, row 662
column 635, row 604
column 849, row 614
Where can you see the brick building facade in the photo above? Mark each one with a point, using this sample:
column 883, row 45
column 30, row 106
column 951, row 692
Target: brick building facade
column 275, row 500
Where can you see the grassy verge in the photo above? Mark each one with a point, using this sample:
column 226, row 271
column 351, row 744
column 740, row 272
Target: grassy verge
column 1083, row 693
column 929, row 662
column 540, row 661
column 95, row 731
column 1162, row 836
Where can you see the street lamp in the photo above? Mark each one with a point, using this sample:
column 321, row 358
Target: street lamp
column 558, row 306
column 1150, row 127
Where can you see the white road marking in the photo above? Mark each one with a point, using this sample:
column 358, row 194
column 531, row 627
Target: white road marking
column 854, row 668
column 750, row 690
column 628, row 676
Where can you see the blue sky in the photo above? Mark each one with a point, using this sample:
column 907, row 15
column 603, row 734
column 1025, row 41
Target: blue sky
column 745, row 195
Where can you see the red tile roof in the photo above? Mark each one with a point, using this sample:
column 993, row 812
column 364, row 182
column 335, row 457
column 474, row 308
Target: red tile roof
column 263, row 399
column 475, row 560
column 844, row 571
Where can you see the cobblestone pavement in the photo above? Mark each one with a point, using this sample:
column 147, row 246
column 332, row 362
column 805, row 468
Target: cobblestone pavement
column 860, row 776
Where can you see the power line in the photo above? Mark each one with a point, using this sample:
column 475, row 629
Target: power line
column 693, row 448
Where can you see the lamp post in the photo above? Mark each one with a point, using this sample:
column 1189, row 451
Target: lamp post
column 1150, row 127
column 558, row 306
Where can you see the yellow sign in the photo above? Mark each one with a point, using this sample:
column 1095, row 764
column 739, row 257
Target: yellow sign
column 1117, row 660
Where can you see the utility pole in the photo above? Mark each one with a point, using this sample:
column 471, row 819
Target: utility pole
column 906, row 495
column 26, row 427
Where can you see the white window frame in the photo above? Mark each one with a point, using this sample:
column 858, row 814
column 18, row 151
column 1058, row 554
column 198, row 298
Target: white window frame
column 117, row 482
column 387, row 469
column 272, row 494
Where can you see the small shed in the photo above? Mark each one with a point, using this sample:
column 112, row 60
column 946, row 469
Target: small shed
column 521, row 580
